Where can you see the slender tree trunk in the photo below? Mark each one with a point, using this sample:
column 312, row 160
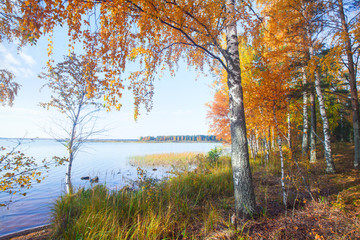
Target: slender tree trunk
column 305, row 138
column 341, row 127
column 257, row 143
column 267, row 148
column 68, row 184
column 245, row 204
column 263, row 154
column 352, row 83
column 273, row 139
column 289, row 131
column 256, row 147
column 251, row 145
column 330, row 167
column 71, row 157
column 282, row 173
column 281, row 162
column 71, row 148
column 313, row 128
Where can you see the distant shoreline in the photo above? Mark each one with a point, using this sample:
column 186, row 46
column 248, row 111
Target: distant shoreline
column 110, row 140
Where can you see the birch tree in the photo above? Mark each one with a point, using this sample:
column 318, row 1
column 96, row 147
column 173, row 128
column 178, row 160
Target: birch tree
column 69, row 81
column 330, row 167
column 312, row 127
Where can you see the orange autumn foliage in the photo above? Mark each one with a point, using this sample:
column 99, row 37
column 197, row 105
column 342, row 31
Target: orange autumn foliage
column 153, row 34
column 266, row 86
column 218, row 112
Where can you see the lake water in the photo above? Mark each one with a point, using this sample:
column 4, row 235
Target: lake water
column 107, row 160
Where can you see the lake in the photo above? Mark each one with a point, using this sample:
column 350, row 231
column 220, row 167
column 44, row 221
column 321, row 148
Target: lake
column 107, row 160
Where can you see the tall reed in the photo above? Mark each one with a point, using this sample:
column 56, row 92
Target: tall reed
column 164, row 159
column 173, row 209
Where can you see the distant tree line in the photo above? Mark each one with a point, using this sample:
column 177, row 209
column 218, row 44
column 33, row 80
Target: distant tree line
column 181, row 138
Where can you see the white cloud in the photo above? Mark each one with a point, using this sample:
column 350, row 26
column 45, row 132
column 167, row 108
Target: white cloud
column 29, row 60
column 9, row 59
column 18, row 64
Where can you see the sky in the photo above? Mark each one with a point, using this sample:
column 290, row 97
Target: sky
column 178, row 103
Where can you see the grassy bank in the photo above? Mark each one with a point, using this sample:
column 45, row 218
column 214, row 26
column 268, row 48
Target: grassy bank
column 171, row 210
column 199, row 204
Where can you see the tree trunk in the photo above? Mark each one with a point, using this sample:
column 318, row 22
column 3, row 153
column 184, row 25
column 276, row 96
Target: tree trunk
column 245, row 204
column 313, row 128
column 289, row 130
column 330, row 167
column 282, row 173
column 273, row 139
column 267, row 148
column 352, row 83
column 68, row 184
column 70, row 149
column 305, row 139
column 341, row 127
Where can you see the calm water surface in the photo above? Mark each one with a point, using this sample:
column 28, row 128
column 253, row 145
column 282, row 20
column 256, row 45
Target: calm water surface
column 108, row 161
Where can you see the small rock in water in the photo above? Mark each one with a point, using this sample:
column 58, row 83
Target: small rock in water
column 85, row 178
column 94, row 180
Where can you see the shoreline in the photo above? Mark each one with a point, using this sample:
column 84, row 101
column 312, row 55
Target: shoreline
column 41, row 229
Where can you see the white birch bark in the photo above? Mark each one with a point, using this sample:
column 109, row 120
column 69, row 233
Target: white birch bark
column 312, row 128
column 282, row 173
column 245, row 204
column 289, row 130
column 71, row 147
column 330, row 167
column 305, row 138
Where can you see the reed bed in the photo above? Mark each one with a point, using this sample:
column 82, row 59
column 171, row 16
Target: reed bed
column 174, row 209
column 165, row 159
column 199, row 204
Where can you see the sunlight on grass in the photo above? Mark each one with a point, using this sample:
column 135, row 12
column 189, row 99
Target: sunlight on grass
column 199, row 204
column 169, row 210
column 164, row 159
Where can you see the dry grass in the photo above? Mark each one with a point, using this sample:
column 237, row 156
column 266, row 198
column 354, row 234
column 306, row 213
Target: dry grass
column 164, row 159
column 198, row 205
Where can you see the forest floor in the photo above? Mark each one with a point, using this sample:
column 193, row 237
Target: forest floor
column 331, row 211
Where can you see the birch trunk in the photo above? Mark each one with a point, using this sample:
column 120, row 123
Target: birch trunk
column 68, row 184
column 267, row 149
column 305, row 139
column 273, row 139
column 71, row 148
column 330, row 167
column 282, row 173
column 71, row 155
column 245, row 204
column 71, row 158
column 289, row 131
column 352, row 83
column 313, row 128
column 251, row 146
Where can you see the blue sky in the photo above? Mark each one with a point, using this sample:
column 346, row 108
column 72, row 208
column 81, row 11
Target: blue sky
column 179, row 102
